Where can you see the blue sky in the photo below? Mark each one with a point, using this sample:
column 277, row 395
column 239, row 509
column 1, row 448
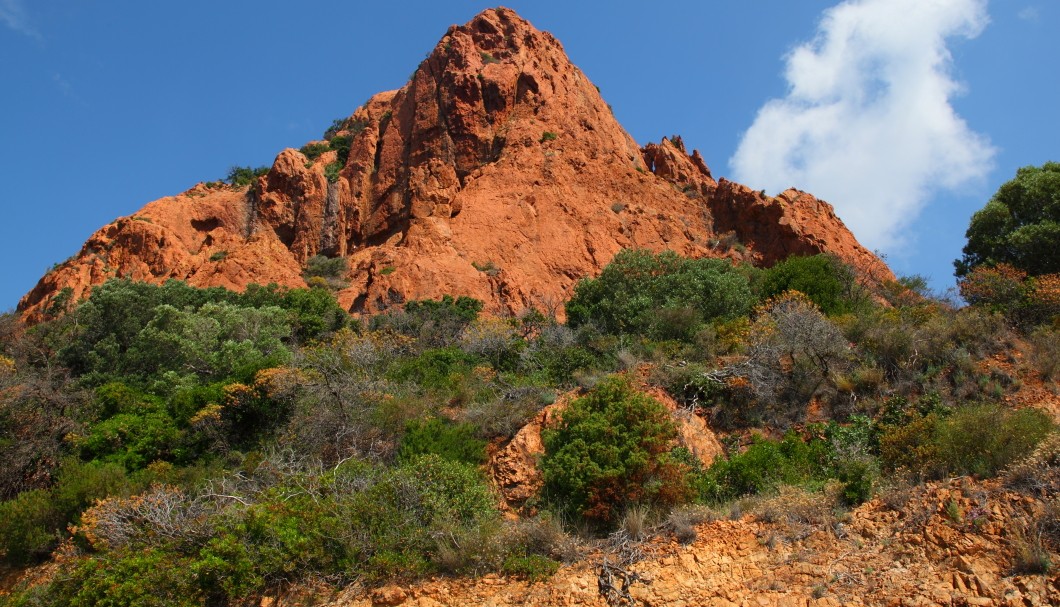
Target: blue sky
column 906, row 121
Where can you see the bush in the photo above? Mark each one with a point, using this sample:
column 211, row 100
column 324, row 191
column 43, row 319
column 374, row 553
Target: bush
column 33, row 523
column 244, row 176
column 794, row 353
column 156, row 337
column 980, row 439
column 660, row 295
column 533, row 567
column 764, row 466
column 828, row 283
column 312, row 151
column 432, row 436
column 151, row 578
column 29, row 527
column 610, row 449
column 435, row 323
column 341, row 144
column 1026, row 301
column 331, row 268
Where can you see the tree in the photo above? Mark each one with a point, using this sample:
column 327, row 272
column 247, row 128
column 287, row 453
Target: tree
column 1020, row 225
column 826, row 280
column 611, row 448
column 663, row 295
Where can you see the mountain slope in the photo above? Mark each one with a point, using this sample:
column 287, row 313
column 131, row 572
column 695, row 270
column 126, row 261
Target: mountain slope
column 497, row 172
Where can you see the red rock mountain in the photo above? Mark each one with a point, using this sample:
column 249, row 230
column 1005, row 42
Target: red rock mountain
column 497, row 172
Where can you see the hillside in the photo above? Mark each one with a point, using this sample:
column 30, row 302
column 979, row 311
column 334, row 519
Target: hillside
column 498, row 172
column 510, row 358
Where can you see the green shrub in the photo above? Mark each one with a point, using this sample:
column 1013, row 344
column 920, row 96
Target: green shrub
column 341, row 144
column 612, row 448
column 824, row 279
column 325, row 267
column 985, row 439
column 438, row 369
column 312, row 151
column 435, row 322
column 333, row 171
column 354, row 127
column 766, row 465
column 151, row 578
column 244, row 176
column 533, row 567
column 33, row 523
column 979, row 439
column 548, row 136
column 29, row 527
column 133, row 440
column 1020, row 225
column 660, row 295
column 162, row 336
column 455, row 442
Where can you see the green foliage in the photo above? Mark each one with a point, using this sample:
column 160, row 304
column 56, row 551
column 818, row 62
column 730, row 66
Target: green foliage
column 244, row 176
column 1020, row 225
column 828, row 283
column 612, row 448
column 357, row 520
column 660, row 295
column 140, row 333
column 464, row 309
column 432, row 436
column 312, row 151
column 132, row 440
column 437, row 369
column 435, row 322
column 312, row 312
column 332, row 171
column 29, row 526
column 60, row 302
column 330, row 270
column 533, row 567
column 980, row 439
column 548, row 136
column 344, row 124
column 766, row 465
column 152, row 578
column 341, row 144
column 34, row 522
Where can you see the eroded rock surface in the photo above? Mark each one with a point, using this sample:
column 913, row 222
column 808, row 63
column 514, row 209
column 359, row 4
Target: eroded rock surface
column 497, row 172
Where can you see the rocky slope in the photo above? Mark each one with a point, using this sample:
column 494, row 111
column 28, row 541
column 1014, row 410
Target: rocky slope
column 498, row 172
column 951, row 543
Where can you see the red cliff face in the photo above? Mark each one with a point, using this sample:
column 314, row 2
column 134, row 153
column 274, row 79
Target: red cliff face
column 497, row 172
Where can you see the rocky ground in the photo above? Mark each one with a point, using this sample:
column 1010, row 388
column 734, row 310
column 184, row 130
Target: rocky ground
column 949, row 543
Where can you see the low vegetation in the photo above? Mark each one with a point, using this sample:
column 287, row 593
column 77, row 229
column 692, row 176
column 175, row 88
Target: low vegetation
column 187, row 446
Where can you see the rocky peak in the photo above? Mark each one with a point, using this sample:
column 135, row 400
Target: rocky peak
column 498, row 171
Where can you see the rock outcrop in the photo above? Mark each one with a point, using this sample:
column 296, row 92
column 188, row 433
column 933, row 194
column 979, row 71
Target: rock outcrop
column 497, row 172
column 908, row 554
column 514, row 471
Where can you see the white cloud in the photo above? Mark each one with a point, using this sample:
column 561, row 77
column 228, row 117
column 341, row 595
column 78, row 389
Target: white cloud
column 1029, row 13
column 13, row 14
column 867, row 123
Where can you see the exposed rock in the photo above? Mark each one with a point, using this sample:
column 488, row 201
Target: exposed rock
column 498, row 153
column 734, row 562
column 514, row 469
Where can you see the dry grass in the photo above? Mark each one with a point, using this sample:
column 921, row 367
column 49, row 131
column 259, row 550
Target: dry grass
column 796, row 513
column 684, row 519
column 1038, row 474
